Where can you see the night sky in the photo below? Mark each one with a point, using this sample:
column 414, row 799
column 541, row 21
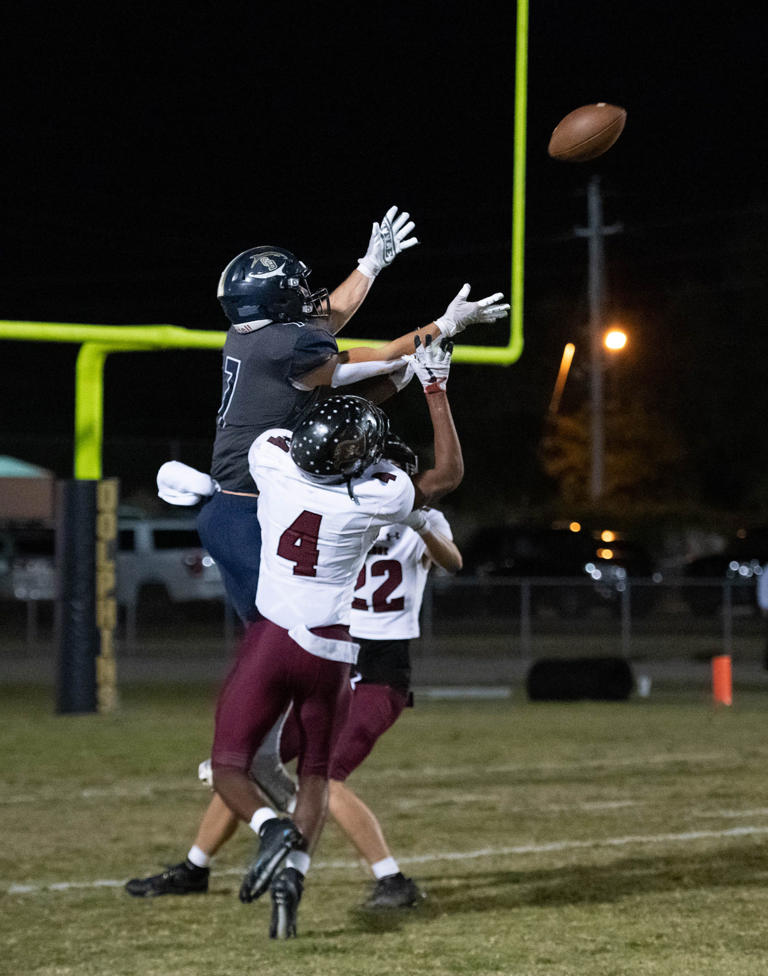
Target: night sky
column 148, row 144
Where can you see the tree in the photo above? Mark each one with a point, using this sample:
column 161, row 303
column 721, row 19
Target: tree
column 645, row 465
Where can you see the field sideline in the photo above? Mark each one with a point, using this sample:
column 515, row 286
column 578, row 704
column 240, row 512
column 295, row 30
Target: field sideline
column 552, row 839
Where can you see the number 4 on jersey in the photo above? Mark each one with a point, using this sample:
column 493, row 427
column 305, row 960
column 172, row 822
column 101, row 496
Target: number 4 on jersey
column 298, row 544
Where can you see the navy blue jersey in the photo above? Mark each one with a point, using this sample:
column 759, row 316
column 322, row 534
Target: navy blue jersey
column 257, row 393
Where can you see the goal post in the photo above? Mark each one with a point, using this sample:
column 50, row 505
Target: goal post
column 86, row 608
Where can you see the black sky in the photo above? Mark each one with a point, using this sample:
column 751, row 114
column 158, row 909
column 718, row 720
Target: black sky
column 148, row 144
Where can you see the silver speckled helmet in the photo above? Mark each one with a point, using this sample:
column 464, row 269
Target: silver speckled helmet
column 340, row 438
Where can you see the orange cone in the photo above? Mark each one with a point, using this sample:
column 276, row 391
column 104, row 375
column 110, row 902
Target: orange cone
column 722, row 681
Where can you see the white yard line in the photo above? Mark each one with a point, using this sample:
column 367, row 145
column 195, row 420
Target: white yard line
column 470, row 799
column 631, row 840
column 100, row 793
column 639, row 761
column 731, row 814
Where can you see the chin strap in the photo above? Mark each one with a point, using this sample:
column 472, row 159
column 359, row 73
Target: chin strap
column 351, row 493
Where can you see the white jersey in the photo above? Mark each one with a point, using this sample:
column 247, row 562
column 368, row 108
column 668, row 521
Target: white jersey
column 390, row 586
column 315, row 536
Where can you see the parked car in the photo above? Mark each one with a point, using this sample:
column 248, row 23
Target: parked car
column 32, row 573
column 575, row 570
column 6, row 557
column 159, row 560
column 739, row 563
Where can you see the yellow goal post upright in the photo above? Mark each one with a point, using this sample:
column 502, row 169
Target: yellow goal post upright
column 87, row 504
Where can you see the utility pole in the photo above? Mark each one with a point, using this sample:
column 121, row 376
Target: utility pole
column 595, row 232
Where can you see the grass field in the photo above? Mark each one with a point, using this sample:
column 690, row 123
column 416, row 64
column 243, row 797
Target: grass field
column 587, row 838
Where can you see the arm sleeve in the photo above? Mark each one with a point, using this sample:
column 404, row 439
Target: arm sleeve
column 438, row 523
column 346, row 373
column 313, row 348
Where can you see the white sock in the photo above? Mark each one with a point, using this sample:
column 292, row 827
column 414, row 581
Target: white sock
column 299, row 860
column 260, row 817
column 198, row 857
column 384, row 868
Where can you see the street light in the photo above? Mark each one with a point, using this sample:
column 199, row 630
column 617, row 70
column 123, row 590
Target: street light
column 562, row 376
column 615, row 339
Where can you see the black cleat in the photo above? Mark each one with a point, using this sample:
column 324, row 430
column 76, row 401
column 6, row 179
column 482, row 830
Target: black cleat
column 286, row 890
column 277, row 836
column 179, row 879
column 395, row 891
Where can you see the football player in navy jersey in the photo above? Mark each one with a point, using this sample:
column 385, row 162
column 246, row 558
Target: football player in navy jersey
column 279, row 353
column 281, row 333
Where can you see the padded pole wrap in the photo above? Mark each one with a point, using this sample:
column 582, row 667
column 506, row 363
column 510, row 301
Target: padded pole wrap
column 78, row 637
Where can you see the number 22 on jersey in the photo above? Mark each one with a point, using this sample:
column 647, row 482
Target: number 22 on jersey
column 392, row 572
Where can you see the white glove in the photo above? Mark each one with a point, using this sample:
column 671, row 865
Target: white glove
column 388, row 239
column 417, row 521
column 461, row 313
column 179, row 484
column 431, row 362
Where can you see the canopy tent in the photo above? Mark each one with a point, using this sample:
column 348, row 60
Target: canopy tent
column 27, row 491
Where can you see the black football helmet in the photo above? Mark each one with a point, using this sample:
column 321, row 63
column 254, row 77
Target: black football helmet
column 269, row 283
column 339, row 438
column 397, row 451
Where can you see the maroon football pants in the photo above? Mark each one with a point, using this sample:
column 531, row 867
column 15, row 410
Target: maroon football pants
column 271, row 671
column 373, row 709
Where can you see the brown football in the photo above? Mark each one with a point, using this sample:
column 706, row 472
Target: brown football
column 587, row 132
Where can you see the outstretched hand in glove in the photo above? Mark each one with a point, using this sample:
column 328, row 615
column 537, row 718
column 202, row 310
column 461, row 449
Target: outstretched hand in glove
column 431, row 362
column 388, row 239
column 461, row 313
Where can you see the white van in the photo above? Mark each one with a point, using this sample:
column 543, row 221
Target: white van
column 159, row 560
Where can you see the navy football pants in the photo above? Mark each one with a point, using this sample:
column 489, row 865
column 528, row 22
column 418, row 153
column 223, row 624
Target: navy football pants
column 229, row 529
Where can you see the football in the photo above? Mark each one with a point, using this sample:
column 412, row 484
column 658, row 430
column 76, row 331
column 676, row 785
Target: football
column 587, row 132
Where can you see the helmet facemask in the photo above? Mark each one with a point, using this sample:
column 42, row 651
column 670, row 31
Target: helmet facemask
column 317, row 304
column 397, row 451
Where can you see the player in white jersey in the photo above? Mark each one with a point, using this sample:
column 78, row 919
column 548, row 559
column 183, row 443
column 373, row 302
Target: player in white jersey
column 326, row 490
column 390, row 588
column 385, row 617
column 315, row 536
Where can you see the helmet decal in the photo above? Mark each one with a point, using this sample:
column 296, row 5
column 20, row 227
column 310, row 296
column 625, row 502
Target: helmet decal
column 265, row 266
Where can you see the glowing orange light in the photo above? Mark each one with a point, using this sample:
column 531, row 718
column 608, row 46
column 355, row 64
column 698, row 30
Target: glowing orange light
column 605, row 553
column 615, row 339
column 575, row 526
column 608, row 536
